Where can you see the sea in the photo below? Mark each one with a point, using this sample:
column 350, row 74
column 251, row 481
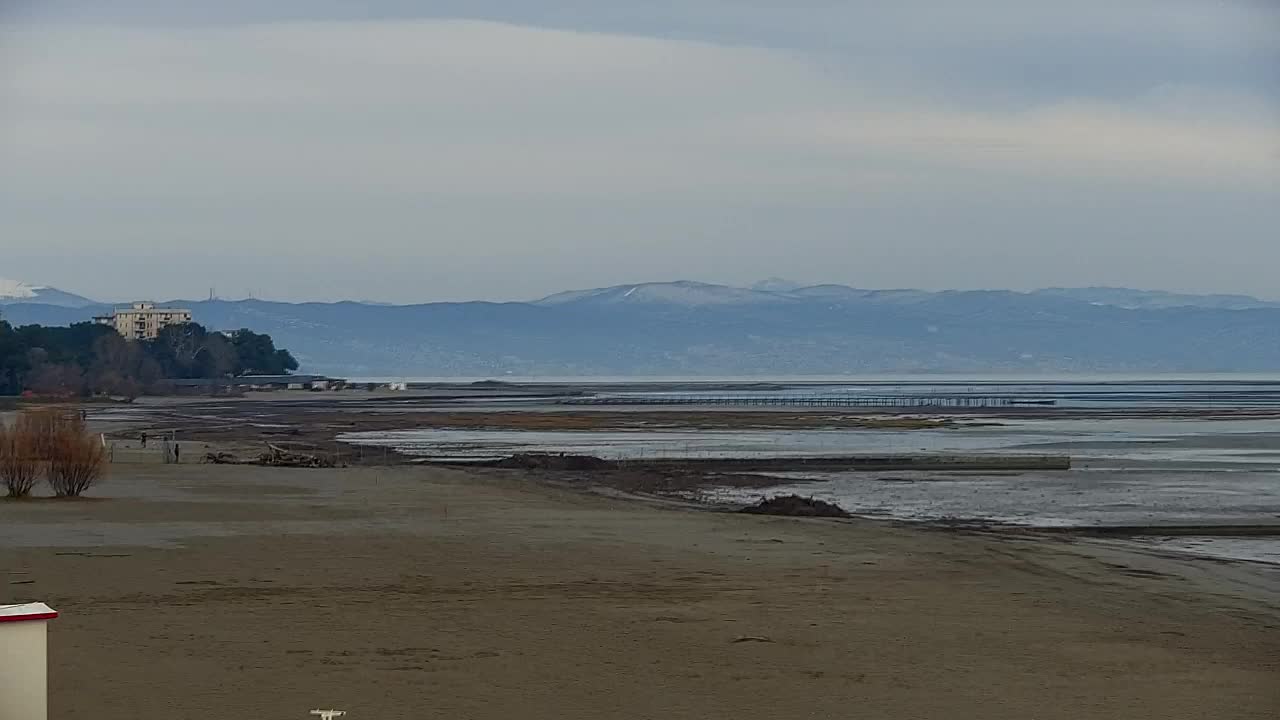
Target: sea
column 1150, row 452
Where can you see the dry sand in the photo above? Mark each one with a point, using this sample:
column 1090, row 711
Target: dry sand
column 422, row 592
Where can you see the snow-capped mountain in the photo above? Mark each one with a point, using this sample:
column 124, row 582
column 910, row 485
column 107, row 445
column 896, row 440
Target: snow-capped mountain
column 1156, row 299
column 16, row 291
column 683, row 328
column 776, row 284
column 690, row 294
column 681, row 293
column 836, row 293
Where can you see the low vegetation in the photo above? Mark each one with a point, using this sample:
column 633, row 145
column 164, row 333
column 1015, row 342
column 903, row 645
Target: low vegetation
column 72, row 458
column 76, row 462
column 86, row 359
column 19, row 462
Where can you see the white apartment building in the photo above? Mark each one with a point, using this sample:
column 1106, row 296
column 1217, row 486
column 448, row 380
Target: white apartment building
column 143, row 321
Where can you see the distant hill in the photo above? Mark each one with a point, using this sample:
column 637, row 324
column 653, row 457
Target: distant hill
column 689, row 328
column 1153, row 299
column 16, row 291
column 776, row 284
column 681, row 293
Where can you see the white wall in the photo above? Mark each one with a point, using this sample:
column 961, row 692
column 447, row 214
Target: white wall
column 24, row 693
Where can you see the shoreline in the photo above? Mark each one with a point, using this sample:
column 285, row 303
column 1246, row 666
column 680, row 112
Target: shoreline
column 314, row 424
column 687, row 493
column 498, row 593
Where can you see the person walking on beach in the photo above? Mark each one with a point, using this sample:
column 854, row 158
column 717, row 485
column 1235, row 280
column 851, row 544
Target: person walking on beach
column 144, row 440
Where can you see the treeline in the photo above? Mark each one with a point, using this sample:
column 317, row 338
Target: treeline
column 87, row 359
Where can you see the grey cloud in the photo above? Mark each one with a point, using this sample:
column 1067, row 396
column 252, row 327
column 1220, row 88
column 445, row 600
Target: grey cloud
column 1004, row 47
column 418, row 160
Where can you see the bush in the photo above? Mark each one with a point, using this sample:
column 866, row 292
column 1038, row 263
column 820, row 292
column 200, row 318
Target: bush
column 43, row 428
column 76, row 462
column 59, row 442
column 19, row 462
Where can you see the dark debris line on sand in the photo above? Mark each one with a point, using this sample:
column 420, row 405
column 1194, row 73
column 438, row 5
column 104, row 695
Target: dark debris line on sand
column 796, row 506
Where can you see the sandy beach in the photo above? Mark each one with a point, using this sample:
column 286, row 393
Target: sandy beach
column 606, row 360
column 408, row 592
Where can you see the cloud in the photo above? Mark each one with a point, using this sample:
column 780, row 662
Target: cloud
column 451, row 106
column 310, row 132
column 1088, row 46
column 1084, row 140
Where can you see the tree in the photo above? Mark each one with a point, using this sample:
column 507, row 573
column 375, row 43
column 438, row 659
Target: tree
column 57, row 379
column 94, row 360
column 216, row 358
column 120, row 368
column 13, row 361
column 177, row 347
column 259, row 356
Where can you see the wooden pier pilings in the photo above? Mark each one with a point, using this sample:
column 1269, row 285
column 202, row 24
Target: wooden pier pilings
column 833, row 401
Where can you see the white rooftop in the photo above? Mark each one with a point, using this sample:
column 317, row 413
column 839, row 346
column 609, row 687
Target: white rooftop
column 27, row 611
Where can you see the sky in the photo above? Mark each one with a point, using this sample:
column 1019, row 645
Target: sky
column 415, row 151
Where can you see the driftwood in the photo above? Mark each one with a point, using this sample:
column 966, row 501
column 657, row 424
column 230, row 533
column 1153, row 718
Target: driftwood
column 223, row 458
column 275, row 456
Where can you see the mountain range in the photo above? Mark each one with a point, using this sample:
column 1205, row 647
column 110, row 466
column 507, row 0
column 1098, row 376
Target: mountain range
column 13, row 292
column 774, row 328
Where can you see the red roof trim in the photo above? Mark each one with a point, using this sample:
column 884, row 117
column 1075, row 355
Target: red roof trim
column 32, row 616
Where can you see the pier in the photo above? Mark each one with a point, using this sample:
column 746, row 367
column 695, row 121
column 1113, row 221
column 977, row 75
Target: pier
column 938, row 462
column 822, row 401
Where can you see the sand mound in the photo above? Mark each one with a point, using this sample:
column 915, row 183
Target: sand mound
column 796, row 506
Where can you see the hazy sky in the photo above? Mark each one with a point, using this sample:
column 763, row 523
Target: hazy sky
column 505, row 149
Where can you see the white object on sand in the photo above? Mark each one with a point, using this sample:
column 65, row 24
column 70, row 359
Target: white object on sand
column 24, row 663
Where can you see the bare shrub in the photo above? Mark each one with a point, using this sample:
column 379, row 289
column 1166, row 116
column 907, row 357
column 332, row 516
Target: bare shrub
column 77, row 461
column 19, row 462
column 56, row 440
column 45, row 427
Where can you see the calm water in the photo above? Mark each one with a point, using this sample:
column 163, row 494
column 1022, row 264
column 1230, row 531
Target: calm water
column 1080, row 395
column 1128, row 471
column 892, row 379
column 1096, row 392
column 1118, row 443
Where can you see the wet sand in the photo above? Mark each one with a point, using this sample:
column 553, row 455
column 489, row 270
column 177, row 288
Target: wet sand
column 412, row 592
